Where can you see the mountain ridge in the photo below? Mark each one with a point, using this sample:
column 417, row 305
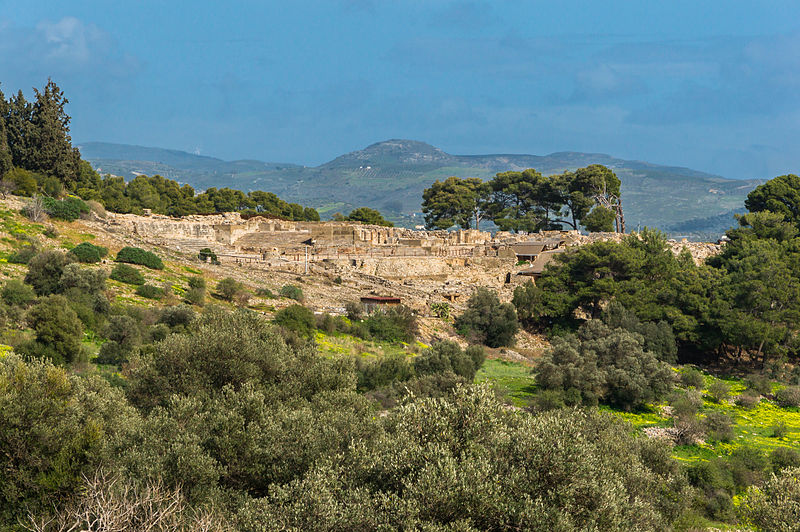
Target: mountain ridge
column 390, row 175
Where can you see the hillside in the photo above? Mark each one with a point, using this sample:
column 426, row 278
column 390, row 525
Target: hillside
column 391, row 176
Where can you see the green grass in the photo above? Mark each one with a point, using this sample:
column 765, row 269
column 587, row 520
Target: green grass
column 513, row 378
column 752, row 427
column 339, row 344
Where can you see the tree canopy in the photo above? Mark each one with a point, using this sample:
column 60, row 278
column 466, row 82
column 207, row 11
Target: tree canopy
column 528, row 201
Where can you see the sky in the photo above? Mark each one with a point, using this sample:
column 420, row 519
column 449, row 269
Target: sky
column 712, row 85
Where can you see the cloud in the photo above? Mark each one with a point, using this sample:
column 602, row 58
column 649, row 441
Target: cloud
column 64, row 49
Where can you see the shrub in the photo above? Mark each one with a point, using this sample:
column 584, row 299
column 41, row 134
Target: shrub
column 51, row 232
column 492, row 323
column 760, row 384
column 228, row 287
column 719, row 390
column 58, row 329
column 693, row 378
column 133, row 255
column 783, row 457
column 177, row 316
column 606, row 365
column 17, row 294
column 775, row 505
column 23, row 255
column 788, row 397
column 780, row 430
column 97, row 208
column 395, row 324
column 197, row 282
column 195, row 296
column 35, row 209
column 88, row 280
column 748, row 400
column 441, row 310
column 241, row 298
column 447, row 356
column 265, row 293
column 338, row 280
column 383, row 372
column 719, row 427
column 686, row 404
column 68, row 209
column 292, row 292
column 45, row 270
column 206, row 255
column 296, row 318
column 127, row 274
column 149, row 291
column 354, row 310
column 88, row 253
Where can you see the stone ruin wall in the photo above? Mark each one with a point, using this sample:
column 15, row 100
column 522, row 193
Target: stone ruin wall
column 263, row 237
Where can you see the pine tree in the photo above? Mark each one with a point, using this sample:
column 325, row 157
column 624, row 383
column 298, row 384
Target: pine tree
column 53, row 154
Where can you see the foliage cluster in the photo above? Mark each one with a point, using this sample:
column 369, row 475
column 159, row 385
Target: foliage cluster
column 488, row 321
column 134, row 255
column 527, row 201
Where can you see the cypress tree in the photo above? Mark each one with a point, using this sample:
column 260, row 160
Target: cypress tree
column 5, row 153
column 53, row 153
column 18, row 130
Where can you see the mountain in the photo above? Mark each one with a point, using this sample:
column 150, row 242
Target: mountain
column 391, row 176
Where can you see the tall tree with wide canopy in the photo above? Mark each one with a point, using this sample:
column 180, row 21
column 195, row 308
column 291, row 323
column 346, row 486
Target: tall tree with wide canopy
column 454, row 201
column 779, row 195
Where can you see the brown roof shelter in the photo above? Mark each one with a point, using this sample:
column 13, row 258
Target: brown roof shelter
column 541, row 261
column 374, row 302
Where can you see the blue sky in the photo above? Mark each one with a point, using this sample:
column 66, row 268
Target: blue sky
column 712, row 85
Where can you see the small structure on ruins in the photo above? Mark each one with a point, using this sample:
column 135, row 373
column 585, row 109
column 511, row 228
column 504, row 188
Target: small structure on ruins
column 372, row 303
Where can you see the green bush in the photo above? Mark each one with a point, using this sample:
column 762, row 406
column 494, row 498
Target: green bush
column 719, row 427
column 395, row 324
column 606, row 365
column 783, row 457
column 127, row 274
column 292, row 292
column 17, row 294
column 133, row 255
column 68, row 209
column 54, row 431
column 487, row 320
column 719, row 390
column 383, row 372
column 45, row 270
column 775, row 505
column 58, row 330
column 23, row 255
column 748, row 400
column 693, row 378
column 788, row 397
column 206, row 254
column 195, row 296
column 447, row 356
column 265, row 293
column 227, row 288
column 296, row 318
column 149, row 291
column 354, row 310
column 88, row 253
column 197, row 282
column 176, row 317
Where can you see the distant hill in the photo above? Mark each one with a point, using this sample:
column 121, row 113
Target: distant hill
column 391, row 176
